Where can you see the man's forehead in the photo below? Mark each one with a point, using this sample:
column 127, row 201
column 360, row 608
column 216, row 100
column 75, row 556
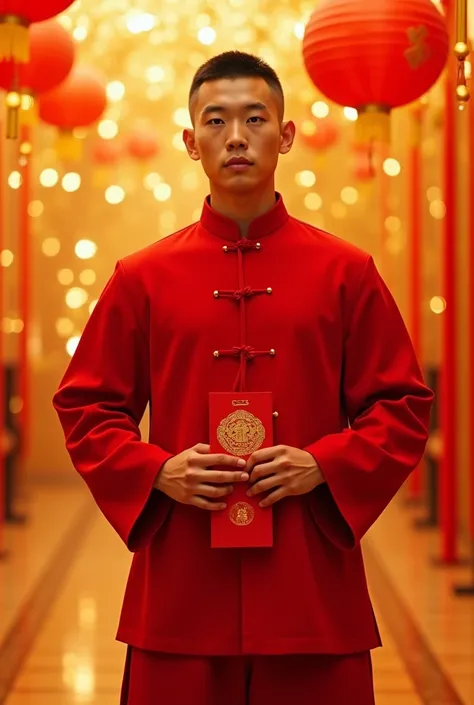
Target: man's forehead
column 236, row 92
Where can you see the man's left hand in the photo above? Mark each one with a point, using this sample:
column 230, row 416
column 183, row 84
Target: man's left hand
column 284, row 470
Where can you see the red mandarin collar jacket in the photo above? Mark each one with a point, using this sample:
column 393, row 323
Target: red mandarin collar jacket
column 292, row 310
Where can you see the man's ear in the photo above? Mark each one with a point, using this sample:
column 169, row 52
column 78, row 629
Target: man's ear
column 190, row 142
column 288, row 132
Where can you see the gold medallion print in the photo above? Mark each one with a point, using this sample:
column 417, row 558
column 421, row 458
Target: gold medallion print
column 241, row 433
column 241, row 514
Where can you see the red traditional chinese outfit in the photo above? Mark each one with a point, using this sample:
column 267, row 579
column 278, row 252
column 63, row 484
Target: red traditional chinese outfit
column 291, row 310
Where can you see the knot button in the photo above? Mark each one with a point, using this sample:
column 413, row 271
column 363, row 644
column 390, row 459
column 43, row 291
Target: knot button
column 269, row 290
column 216, row 294
column 216, row 353
column 272, row 352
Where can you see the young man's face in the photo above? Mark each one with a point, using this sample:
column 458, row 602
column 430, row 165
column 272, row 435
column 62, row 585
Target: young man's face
column 238, row 120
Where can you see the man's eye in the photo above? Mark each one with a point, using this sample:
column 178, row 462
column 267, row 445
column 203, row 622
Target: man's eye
column 257, row 118
column 214, row 120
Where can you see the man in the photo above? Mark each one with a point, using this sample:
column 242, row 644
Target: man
column 247, row 299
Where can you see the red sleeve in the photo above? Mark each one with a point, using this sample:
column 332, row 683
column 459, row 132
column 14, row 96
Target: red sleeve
column 388, row 408
column 100, row 403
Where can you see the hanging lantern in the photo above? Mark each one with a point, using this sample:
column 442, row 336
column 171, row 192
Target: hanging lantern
column 142, row 145
column 106, row 155
column 78, row 102
column 319, row 135
column 375, row 56
column 15, row 18
column 52, row 52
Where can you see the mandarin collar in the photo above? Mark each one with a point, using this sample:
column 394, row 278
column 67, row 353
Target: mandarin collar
column 228, row 229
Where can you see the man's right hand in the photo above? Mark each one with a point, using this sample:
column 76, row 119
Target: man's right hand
column 188, row 479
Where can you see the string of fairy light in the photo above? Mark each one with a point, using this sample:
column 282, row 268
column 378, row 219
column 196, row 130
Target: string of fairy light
column 156, row 50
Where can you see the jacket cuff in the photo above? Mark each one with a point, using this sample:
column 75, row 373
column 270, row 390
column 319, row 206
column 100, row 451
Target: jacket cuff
column 325, row 508
column 153, row 515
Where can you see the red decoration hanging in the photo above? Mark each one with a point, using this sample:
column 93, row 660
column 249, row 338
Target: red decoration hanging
column 375, row 56
column 107, row 152
column 363, row 171
column 15, row 18
column 142, row 144
column 52, row 53
column 319, row 134
column 106, row 155
column 363, row 164
column 77, row 102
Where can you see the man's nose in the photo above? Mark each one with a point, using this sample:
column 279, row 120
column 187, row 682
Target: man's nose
column 237, row 137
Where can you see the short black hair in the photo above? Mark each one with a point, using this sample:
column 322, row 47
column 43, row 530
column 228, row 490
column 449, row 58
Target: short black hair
column 236, row 64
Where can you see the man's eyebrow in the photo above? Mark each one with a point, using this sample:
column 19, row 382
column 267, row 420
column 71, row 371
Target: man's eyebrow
column 214, row 108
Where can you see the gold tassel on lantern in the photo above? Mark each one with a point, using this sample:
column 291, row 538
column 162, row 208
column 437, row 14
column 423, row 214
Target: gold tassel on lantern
column 14, row 39
column 28, row 110
column 461, row 50
column 13, row 102
column 68, row 146
column 372, row 125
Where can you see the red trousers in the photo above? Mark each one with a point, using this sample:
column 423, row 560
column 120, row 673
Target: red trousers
column 163, row 679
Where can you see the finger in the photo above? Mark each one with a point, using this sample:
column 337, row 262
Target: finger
column 274, row 497
column 203, row 503
column 209, row 460
column 221, row 476
column 264, row 455
column 269, row 483
column 264, row 470
column 205, row 490
column 202, row 448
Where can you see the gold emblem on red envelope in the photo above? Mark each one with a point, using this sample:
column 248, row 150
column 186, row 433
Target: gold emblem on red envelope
column 241, row 433
column 241, row 514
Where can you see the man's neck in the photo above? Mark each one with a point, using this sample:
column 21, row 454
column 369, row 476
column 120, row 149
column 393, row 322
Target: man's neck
column 243, row 207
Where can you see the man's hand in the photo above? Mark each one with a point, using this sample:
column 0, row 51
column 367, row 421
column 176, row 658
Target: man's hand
column 187, row 479
column 283, row 470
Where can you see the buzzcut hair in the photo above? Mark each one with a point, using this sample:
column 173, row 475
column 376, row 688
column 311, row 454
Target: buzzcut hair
column 236, row 64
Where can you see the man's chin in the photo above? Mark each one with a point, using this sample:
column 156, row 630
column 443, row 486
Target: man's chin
column 239, row 182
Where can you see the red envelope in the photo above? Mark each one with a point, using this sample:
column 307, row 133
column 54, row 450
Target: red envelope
column 241, row 423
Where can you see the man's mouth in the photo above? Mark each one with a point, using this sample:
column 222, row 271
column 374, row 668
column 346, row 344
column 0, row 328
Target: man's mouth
column 238, row 163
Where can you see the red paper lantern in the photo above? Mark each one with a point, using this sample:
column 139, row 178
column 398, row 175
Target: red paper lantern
column 319, row 134
column 15, row 18
column 142, row 144
column 107, row 152
column 375, row 56
column 77, row 102
column 106, row 155
column 52, row 52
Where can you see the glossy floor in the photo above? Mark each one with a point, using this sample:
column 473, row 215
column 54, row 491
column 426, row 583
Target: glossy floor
column 68, row 654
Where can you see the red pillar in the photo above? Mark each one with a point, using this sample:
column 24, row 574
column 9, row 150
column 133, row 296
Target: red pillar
column 24, row 254
column 2, row 367
column 415, row 482
column 448, row 485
